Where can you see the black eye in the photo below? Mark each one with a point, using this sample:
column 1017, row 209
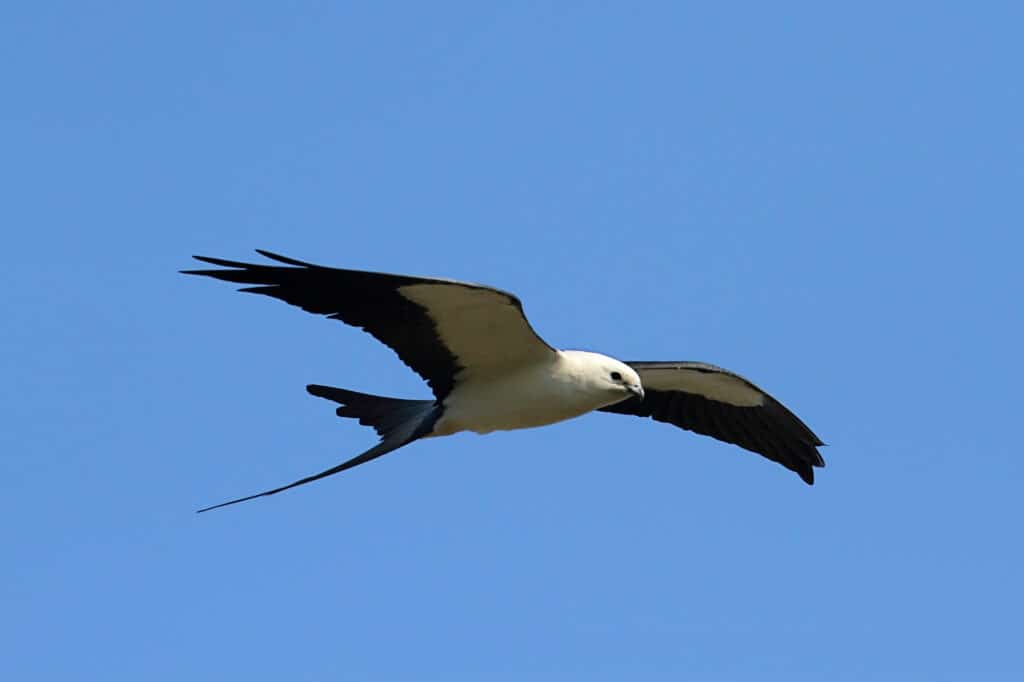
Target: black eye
column 616, row 376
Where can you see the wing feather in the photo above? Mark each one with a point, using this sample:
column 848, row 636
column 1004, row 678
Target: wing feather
column 715, row 402
column 439, row 328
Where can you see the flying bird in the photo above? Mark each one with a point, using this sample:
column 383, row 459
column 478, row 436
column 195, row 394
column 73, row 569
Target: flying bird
column 490, row 371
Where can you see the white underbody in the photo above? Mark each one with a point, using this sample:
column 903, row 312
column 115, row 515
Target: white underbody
column 536, row 395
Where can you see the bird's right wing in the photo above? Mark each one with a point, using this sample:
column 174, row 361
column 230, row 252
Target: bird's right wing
column 715, row 402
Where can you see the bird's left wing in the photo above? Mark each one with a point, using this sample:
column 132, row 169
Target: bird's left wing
column 445, row 330
column 715, row 402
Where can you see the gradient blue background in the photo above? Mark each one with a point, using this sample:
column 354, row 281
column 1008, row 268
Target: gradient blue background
column 826, row 199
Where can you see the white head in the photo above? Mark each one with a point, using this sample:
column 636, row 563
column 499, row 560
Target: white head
column 601, row 373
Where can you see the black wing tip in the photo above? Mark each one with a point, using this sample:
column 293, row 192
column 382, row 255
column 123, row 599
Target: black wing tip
column 805, row 466
column 284, row 259
column 222, row 262
column 319, row 390
column 239, row 265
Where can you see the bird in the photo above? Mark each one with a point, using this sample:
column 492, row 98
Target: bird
column 490, row 371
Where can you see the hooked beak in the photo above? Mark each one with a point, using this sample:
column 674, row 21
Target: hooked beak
column 637, row 390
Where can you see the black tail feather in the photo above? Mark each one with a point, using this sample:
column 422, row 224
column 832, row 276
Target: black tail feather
column 383, row 414
column 399, row 422
column 373, row 453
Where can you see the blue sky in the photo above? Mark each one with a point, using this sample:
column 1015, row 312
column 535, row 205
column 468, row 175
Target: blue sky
column 826, row 199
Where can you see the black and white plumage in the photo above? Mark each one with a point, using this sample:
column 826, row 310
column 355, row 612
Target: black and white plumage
column 490, row 371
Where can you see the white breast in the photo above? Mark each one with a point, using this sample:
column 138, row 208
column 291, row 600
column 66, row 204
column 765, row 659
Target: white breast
column 535, row 396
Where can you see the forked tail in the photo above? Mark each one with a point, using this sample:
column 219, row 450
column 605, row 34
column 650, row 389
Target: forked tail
column 383, row 414
column 399, row 422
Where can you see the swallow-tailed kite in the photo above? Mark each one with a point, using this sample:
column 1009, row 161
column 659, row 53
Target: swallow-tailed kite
column 490, row 371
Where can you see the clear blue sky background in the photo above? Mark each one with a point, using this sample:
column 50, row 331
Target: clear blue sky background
column 826, row 199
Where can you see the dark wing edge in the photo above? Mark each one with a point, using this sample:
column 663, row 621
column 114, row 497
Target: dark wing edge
column 769, row 429
column 378, row 308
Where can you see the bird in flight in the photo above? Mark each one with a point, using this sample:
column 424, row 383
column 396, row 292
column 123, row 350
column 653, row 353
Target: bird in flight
column 490, row 371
